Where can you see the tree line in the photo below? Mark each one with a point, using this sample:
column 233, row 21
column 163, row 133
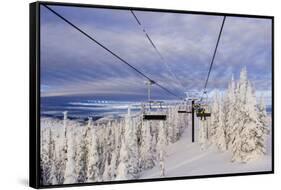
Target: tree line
column 118, row 149
column 239, row 121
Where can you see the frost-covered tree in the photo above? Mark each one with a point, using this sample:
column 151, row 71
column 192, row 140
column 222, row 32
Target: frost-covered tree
column 132, row 145
column 178, row 124
column 49, row 172
column 202, row 133
column 65, row 139
column 128, row 165
column 65, row 124
column 170, row 126
column 263, row 128
column 246, row 144
column 174, row 124
column 70, row 175
column 146, row 154
column 161, row 144
column 60, row 140
column 106, row 172
column 220, row 132
column 44, row 158
column 262, row 115
column 52, row 157
column 217, row 128
column 229, row 110
column 154, row 145
column 83, row 149
column 60, row 163
column 215, row 119
column 93, row 170
column 113, row 165
column 162, row 163
column 122, row 169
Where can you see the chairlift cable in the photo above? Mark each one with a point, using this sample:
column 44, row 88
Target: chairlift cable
column 111, row 52
column 213, row 58
column 157, row 51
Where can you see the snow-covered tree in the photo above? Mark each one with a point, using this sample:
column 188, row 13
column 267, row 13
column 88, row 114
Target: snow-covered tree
column 246, row 144
column 202, row 133
column 220, row 132
column 122, row 169
column 113, row 165
column 132, row 145
column 83, row 149
column 93, row 170
column 154, row 145
column 174, row 124
column 59, row 161
column 263, row 128
column 146, row 154
column 170, row 125
column 215, row 119
column 62, row 152
column 161, row 145
column 129, row 165
column 229, row 110
column 52, row 155
column 44, row 158
column 162, row 163
column 106, row 172
column 70, row 175
column 217, row 130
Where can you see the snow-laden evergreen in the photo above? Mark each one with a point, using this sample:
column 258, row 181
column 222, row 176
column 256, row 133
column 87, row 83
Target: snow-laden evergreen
column 264, row 123
column 162, row 142
column 216, row 132
column 118, row 149
column 146, row 154
column 202, row 133
column 129, row 150
column 238, row 123
column 229, row 110
column 93, row 170
column 71, row 175
column 248, row 128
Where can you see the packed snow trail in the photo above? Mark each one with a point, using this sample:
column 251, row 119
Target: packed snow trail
column 185, row 158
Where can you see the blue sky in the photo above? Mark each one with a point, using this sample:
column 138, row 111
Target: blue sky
column 71, row 64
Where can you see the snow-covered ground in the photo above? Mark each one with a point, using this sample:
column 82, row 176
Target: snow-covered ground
column 185, row 158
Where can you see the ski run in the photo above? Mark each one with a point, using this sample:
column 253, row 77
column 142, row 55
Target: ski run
column 235, row 139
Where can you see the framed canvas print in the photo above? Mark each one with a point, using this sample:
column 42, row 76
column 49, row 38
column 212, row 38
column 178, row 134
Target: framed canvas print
column 126, row 94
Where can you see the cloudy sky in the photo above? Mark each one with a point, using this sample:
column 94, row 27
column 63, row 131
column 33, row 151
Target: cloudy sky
column 71, row 64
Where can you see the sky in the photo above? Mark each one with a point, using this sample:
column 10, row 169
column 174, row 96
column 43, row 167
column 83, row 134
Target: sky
column 72, row 65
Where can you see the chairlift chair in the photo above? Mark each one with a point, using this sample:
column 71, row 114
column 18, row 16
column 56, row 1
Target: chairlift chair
column 149, row 108
column 202, row 108
column 203, row 112
column 152, row 114
column 185, row 108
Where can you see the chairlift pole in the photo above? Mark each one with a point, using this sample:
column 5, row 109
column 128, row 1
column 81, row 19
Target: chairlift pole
column 148, row 90
column 149, row 84
column 192, row 111
column 192, row 115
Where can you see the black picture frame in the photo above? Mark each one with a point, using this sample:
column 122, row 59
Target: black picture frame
column 34, row 93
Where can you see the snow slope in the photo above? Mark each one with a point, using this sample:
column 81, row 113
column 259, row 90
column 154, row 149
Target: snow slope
column 185, row 158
